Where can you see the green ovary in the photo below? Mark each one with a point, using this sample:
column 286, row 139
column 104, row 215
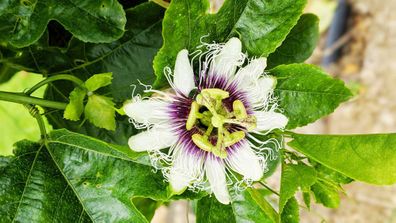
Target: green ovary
column 213, row 119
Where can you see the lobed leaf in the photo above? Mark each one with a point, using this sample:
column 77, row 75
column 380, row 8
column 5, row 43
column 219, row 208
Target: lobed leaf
column 98, row 80
column 306, row 93
column 368, row 158
column 75, row 107
column 100, row 111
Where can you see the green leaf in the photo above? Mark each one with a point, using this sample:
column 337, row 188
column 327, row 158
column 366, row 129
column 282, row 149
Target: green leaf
column 307, row 199
column 306, row 93
column 331, row 175
column 209, row 210
column 299, row 43
column 23, row 22
column 100, row 111
column 290, row 212
column 103, row 177
column 326, row 195
column 75, row 107
column 262, row 25
column 146, row 206
column 250, row 206
column 367, row 158
column 294, row 177
column 34, row 190
column 98, row 80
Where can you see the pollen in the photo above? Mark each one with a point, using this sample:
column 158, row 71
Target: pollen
column 216, row 123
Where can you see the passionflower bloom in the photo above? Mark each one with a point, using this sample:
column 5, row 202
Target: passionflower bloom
column 211, row 120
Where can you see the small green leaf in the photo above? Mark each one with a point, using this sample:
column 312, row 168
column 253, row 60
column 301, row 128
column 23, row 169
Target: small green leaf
column 326, row 195
column 75, row 107
column 24, row 21
column 369, row 158
column 294, row 177
column 307, row 198
column 306, row 93
column 299, row 43
column 100, row 111
column 331, row 175
column 290, row 213
column 261, row 25
column 98, row 80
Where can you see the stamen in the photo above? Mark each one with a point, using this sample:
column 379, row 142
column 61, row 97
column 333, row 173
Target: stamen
column 202, row 142
column 192, row 116
column 239, row 109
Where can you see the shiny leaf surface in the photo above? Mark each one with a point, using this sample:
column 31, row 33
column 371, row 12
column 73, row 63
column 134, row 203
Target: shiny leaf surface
column 306, row 93
column 23, row 22
column 368, row 158
column 299, row 43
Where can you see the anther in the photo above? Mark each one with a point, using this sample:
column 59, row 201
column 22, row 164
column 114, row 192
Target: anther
column 192, row 116
column 202, row 142
column 239, row 109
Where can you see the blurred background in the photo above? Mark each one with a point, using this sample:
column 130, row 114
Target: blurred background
column 358, row 45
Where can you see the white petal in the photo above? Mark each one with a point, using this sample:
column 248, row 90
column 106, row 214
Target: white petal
column 226, row 62
column 215, row 173
column 250, row 73
column 184, row 74
column 270, row 120
column 156, row 138
column 147, row 111
column 186, row 168
column 259, row 92
column 244, row 161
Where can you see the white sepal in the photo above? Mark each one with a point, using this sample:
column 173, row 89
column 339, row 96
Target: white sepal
column 184, row 74
column 269, row 120
column 244, row 161
column 215, row 172
column 156, row 138
column 230, row 56
column 249, row 74
column 146, row 112
column 186, row 168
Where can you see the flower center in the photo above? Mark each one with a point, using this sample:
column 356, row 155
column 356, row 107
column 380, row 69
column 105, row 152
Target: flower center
column 209, row 114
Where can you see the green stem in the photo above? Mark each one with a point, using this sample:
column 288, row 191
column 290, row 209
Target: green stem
column 25, row 99
column 33, row 110
column 268, row 188
column 55, row 78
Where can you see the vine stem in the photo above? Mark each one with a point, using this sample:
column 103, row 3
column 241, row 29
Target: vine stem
column 161, row 3
column 268, row 188
column 33, row 110
column 68, row 77
column 25, row 99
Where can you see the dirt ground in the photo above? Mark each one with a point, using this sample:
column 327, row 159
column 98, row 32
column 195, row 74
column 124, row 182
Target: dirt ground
column 368, row 66
column 370, row 46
